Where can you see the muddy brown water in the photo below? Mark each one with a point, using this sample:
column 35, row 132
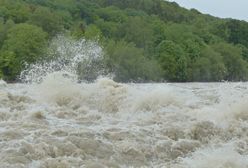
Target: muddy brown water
column 63, row 124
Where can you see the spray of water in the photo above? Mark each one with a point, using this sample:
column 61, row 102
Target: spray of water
column 58, row 122
column 75, row 59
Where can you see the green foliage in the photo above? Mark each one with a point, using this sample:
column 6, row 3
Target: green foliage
column 173, row 61
column 93, row 33
column 238, row 32
column 112, row 14
column 4, row 27
column 232, row 57
column 141, row 38
column 144, row 39
column 2, row 32
column 15, row 10
column 24, row 44
column 129, row 64
column 1, row 74
column 244, row 51
column 108, row 28
column 209, row 66
column 49, row 21
column 9, row 65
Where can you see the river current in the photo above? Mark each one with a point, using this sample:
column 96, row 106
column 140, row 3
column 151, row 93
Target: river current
column 52, row 119
column 64, row 124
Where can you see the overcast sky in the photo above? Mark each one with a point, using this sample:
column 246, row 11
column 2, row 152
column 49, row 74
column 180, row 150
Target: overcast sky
column 237, row 9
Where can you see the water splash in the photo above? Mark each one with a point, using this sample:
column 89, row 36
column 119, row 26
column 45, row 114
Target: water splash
column 75, row 59
column 60, row 122
column 2, row 83
column 217, row 157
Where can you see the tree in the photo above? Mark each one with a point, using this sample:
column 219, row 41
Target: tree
column 109, row 29
column 14, row 10
column 49, row 21
column 244, row 51
column 201, row 70
column 185, row 44
column 24, row 44
column 93, row 32
column 9, row 68
column 143, row 37
column 209, row 66
column 238, row 32
column 232, row 57
column 4, row 27
column 159, row 32
column 173, row 61
column 112, row 14
column 129, row 64
column 2, row 32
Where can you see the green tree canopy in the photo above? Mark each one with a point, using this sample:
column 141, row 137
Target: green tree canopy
column 184, row 44
column 232, row 57
column 129, row 64
column 24, row 44
column 49, row 21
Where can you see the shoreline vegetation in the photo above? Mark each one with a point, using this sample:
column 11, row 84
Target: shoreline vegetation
column 142, row 40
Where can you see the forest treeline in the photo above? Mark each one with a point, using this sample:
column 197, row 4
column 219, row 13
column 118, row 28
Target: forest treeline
column 143, row 40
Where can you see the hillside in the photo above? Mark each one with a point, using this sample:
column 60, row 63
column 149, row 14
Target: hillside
column 143, row 40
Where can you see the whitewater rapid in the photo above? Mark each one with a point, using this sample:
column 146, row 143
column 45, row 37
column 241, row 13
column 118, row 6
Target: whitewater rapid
column 56, row 118
column 60, row 123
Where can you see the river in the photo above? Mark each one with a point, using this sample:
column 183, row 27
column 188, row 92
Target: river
column 64, row 124
column 54, row 120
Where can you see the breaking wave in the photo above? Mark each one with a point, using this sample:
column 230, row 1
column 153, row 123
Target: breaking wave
column 56, row 120
column 77, row 59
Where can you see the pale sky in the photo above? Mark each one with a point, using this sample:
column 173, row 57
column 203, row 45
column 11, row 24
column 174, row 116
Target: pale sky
column 237, row 9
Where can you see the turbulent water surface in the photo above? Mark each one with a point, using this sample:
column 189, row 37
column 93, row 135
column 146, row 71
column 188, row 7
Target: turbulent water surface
column 64, row 124
column 54, row 121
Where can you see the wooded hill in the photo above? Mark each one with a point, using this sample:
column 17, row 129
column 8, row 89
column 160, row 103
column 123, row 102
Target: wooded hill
column 143, row 40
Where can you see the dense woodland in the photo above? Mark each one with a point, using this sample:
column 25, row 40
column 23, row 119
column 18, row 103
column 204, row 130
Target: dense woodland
column 143, row 40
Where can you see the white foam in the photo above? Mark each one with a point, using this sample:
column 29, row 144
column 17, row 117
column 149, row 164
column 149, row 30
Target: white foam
column 219, row 157
column 57, row 121
column 66, row 55
column 2, row 83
